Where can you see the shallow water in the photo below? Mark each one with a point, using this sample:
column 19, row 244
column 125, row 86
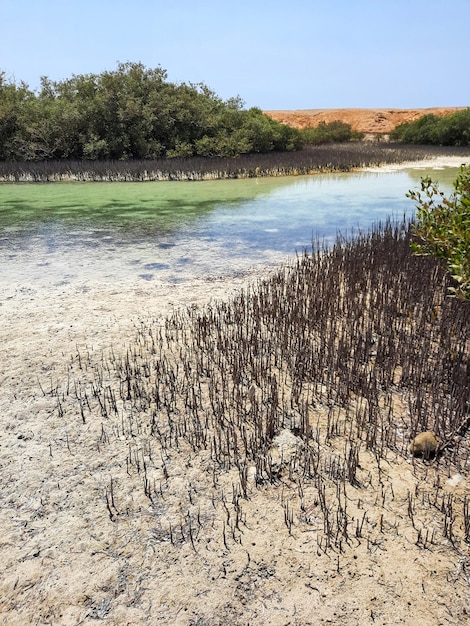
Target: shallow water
column 68, row 233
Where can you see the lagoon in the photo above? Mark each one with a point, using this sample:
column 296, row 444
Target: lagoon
column 69, row 233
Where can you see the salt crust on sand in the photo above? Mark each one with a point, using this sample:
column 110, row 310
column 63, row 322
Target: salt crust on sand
column 435, row 163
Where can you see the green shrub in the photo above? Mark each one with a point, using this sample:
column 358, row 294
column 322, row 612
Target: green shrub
column 442, row 228
column 131, row 113
column 332, row 132
column 450, row 130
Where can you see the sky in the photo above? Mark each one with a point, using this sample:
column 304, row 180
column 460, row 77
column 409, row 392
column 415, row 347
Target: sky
column 297, row 54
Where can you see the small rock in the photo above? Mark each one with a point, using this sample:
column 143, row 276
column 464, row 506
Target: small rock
column 284, row 447
column 424, row 444
column 455, row 480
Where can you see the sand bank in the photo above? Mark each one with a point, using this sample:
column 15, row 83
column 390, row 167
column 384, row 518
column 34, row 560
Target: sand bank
column 437, row 163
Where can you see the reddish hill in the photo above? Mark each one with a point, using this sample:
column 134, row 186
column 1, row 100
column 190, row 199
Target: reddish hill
column 362, row 120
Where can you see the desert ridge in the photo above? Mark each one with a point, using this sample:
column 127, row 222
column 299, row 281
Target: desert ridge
column 369, row 121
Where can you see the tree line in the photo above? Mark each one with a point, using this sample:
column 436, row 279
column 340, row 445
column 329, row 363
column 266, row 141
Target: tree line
column 450, row 130
column 132, row 112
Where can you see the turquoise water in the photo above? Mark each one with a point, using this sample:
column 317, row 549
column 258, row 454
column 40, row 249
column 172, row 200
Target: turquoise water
column 62, row 233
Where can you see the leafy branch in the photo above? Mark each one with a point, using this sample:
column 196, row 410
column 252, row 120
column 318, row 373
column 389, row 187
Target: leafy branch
column 442, row 228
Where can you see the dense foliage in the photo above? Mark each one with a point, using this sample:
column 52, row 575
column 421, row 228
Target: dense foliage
column 450, row 130
column 130, row 113
column 442, row 228
column 331, row 132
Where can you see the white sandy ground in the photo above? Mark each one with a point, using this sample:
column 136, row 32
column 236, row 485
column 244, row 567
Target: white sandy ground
column 434, row 163
column 64, row 561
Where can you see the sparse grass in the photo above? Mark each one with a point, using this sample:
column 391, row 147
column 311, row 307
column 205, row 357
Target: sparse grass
column 312, row 159
column 349, row 353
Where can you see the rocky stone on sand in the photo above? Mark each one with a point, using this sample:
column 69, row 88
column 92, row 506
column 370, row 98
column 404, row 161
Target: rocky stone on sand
column 284, row 447
column 425, row 444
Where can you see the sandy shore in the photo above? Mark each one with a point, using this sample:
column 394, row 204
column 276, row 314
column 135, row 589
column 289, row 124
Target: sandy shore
column 64, row 561
column 436, row 163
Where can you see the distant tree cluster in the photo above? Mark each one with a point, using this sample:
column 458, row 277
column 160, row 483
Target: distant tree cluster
column 130, row 113
column 450, row 130
column 332, row 132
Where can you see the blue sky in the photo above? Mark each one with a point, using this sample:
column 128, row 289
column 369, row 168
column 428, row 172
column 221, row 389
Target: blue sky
column 276, row 55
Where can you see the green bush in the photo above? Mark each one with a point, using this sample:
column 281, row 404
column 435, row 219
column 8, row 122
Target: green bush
column 131, row 113
column 450, row 130
column 332, row 132
column 442, row 228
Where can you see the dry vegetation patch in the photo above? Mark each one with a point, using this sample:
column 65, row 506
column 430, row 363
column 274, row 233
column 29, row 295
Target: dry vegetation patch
column 248, row 462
